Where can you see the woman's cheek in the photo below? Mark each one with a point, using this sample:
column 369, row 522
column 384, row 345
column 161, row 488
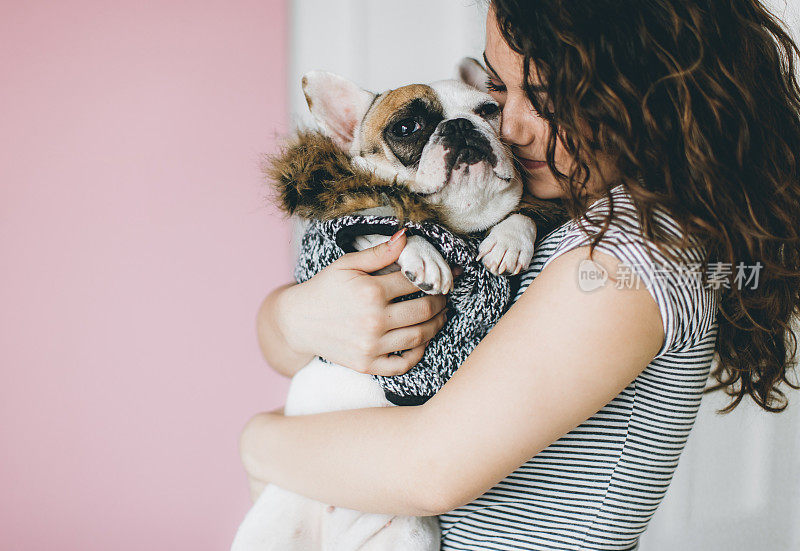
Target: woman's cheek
column 544, row 188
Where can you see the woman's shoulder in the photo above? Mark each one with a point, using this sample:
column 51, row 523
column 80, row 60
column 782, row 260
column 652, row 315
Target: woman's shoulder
column 672, row 274
column 617, row 215
column 621, row 229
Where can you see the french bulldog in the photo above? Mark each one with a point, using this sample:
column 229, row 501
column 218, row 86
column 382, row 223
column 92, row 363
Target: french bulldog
column 440, row 141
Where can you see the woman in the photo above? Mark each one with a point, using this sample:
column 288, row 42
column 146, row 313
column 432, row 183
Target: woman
column 671, row 130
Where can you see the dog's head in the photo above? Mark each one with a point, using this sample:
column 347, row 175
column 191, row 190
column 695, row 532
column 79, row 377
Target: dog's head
column 439, row 139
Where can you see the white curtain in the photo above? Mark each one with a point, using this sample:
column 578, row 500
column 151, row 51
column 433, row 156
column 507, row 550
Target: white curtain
column 737, row 487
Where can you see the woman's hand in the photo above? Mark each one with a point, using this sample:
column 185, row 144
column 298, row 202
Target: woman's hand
column 347, row 316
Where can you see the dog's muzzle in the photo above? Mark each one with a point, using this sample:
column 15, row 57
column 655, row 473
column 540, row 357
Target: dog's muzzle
column 464, row 144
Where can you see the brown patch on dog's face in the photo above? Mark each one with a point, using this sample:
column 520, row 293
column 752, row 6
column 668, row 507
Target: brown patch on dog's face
column 404, row 120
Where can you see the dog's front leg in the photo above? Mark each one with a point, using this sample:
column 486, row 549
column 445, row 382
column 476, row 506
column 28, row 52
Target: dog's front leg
column 421, row 263
column 425, row 266
column 508, row 249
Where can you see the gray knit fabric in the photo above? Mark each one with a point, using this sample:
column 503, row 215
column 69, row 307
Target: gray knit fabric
column 476, row 302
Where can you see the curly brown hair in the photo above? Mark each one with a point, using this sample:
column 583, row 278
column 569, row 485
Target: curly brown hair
column 698, row 104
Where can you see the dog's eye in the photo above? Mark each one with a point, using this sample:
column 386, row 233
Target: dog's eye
column 406, row 127
column 488, row 109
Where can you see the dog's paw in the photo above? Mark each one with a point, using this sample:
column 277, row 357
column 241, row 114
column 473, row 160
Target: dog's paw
column 361, row 242
column 425, row 267
column 508, row 249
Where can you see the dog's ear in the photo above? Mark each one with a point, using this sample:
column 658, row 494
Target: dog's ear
column 472, row 72
column 337, row 105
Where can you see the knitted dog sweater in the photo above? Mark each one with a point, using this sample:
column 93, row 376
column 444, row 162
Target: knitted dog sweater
column 477, row 300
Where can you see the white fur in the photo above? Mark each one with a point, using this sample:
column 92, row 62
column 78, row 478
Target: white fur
column 425, row 267
column 284, row 521
column 509, row 246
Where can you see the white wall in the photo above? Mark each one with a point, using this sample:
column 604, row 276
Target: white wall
column 738, row 484
column 381, row 44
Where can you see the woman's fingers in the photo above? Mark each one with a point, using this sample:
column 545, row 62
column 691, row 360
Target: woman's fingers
column 391, row 365
column 413, row 312
column 410, row 340
column 377, row 257
column 396, row 285
column 405, row 338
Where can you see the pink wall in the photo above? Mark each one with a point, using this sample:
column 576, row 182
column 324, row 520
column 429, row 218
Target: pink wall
column 135, row 250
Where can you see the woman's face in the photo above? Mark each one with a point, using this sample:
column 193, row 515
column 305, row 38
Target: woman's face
column 525, row 130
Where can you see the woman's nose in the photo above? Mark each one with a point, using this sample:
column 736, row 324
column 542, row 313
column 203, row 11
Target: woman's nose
column 518, row 124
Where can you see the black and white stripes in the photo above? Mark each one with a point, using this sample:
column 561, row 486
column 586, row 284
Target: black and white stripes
column 597, row 487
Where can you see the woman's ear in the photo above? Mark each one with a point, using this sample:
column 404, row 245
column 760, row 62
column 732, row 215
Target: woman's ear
column 337, row 105
column 472, row 72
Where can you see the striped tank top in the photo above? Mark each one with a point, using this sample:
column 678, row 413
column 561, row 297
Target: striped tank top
column 598, row 486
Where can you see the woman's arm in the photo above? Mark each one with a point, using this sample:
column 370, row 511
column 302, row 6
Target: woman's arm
column 556, row 357
column 274, row 345
column 347, row 316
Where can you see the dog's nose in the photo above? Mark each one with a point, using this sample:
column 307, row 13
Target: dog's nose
column 464, row 144
column 456, row 126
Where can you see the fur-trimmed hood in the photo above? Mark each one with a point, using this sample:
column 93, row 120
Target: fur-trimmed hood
column 314, row 178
